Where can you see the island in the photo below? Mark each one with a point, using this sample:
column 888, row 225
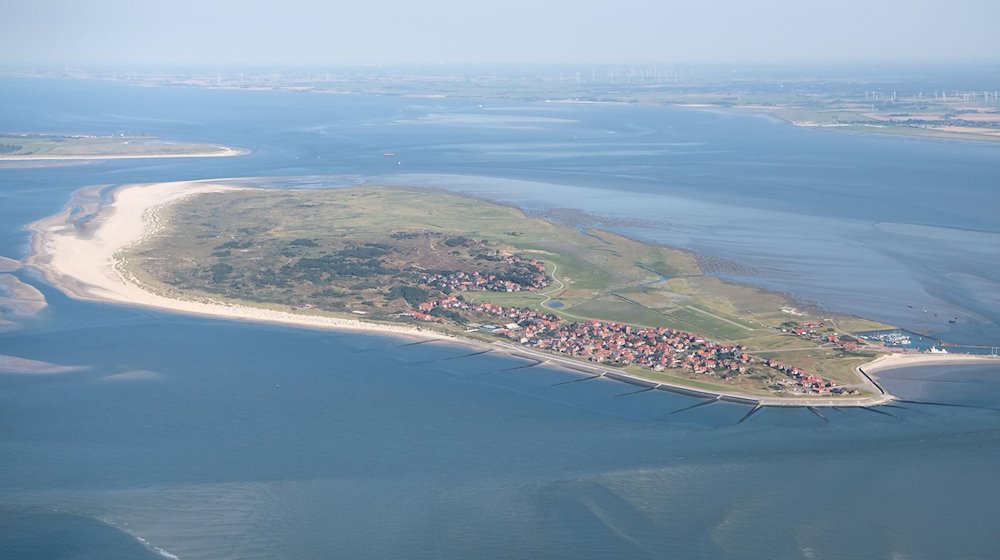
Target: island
column 53, row 147
column 431, row 264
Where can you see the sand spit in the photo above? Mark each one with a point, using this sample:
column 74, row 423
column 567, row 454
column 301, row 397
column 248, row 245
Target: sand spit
column 9, row 265
column 223, row 151
column 85, row 265
column 19, row 298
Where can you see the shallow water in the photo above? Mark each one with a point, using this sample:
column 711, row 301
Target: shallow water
column 214, row 439
column 241, row 441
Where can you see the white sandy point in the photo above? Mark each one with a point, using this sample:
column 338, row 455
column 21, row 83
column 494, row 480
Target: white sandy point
column 86, row 266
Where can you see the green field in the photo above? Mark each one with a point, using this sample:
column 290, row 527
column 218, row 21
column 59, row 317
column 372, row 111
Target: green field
column 597, row 274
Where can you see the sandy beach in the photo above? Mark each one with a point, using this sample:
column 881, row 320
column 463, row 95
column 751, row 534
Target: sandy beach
column 894, row 361
column 85, row 265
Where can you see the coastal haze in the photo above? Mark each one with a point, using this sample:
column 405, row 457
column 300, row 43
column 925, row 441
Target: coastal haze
column 310, row 32
column 158, row 431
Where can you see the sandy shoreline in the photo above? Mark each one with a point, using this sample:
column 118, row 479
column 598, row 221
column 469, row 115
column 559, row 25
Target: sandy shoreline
column 84, row 266
column 894, row 361
column 225, row 152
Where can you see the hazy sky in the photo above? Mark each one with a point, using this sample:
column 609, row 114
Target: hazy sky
column 314, row 32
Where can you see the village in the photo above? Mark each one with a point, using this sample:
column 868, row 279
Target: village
column 623, row 345
column 810, row 330
column 522, row 274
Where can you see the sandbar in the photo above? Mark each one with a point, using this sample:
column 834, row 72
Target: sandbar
column 23, row 366
column 9, row 265
column 18, row 297
column 223, row 151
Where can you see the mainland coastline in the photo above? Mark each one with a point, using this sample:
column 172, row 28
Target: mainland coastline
column 86, row 263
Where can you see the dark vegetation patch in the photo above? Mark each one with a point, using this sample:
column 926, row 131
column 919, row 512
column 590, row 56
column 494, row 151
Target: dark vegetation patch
column 336, row 269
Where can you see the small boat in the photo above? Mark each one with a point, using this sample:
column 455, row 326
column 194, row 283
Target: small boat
column 388, row 154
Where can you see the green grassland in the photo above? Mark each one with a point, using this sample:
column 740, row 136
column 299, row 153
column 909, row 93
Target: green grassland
column 925, row 118
column 849, row 110
column 52, row 146
column 597, row 274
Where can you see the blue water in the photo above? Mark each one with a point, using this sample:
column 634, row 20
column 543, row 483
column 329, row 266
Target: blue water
column 209, row 439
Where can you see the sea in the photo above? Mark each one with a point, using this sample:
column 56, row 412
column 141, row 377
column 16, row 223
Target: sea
column 136, row 433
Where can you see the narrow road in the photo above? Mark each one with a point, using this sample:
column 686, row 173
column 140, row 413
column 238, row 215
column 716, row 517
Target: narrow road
column 555, row 280
column 714, row 316
column 548, row 295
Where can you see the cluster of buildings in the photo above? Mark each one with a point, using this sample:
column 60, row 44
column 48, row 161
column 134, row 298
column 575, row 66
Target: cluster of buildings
column 810, row 330
column 655, row 348
column 524, row 274
column 803, row 382
column 526, row 320
column 806, row 329
column 602, row 341
column 616, row 343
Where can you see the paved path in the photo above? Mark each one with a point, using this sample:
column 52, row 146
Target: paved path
column 714, row 316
